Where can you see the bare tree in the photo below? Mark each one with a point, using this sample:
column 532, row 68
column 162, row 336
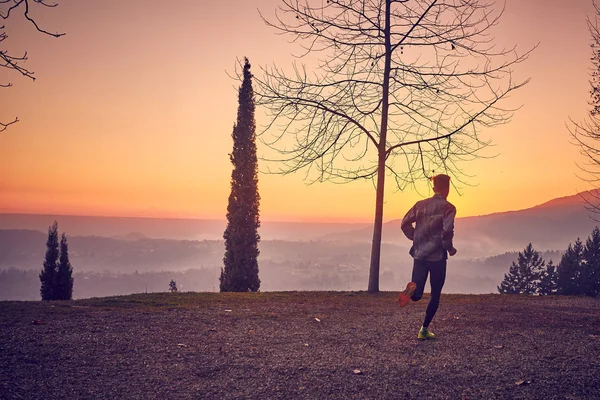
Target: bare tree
column 9, row 8
column 399, row 88
column 586, row 134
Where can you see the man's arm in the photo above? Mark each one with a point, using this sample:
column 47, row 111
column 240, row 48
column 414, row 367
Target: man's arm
column 407, row 222
column 448, row 229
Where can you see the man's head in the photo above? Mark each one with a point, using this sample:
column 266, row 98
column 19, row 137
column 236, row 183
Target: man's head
column 441, row 184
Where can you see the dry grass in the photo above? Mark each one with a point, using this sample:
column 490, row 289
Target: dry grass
column 271, row 346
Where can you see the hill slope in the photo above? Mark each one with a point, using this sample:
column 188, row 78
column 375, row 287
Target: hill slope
column 129, row 228
column 552, row 225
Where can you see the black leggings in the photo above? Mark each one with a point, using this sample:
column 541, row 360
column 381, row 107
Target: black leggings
column 437, row 271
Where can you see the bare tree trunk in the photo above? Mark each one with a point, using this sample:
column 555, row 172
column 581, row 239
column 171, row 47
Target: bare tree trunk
column 377, row 230
column 382, row 148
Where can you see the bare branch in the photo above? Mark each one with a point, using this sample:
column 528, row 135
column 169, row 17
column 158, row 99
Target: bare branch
column 445, row 80
column 3, row 125
column 9, row 61
column 586, row 134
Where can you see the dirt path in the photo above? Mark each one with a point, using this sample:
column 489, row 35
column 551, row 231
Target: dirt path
column 271, row 346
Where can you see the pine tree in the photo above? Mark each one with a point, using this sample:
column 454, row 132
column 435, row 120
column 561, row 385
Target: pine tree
column 524, row 275
column 512, row 282
column 50, row 269
column 569, row 270
column 589, row 280
column 548, row 280
column 240, row 272
column 64, row 276
column 172, row 286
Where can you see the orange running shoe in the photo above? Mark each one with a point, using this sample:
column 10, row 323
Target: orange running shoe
column 404, row 297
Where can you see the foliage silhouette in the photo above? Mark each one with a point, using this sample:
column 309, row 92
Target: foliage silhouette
column 240, row 271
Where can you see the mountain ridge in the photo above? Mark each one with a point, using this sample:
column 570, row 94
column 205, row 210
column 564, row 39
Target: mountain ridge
column 551, row 225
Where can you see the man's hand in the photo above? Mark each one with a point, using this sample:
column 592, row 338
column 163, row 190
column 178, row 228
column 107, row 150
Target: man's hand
column 452, row 251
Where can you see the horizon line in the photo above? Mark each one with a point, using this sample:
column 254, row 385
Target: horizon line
column 309, row 220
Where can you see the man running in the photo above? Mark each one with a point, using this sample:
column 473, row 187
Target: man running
column 432, row 242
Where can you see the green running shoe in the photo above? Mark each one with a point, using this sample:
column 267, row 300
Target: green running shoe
column 424, row 334
column 404, row 297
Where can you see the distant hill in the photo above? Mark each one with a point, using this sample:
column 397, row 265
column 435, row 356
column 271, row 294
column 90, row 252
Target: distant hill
column 118, row 227
column 551, row 225
column 166, row 228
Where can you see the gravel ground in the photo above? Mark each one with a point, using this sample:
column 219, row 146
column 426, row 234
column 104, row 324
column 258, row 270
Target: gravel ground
column 305, row 345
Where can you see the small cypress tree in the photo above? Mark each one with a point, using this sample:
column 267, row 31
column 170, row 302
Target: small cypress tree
column 524, row 275
column 50, row 266
column 240, row 271
column 64, row 276
column 569, row 270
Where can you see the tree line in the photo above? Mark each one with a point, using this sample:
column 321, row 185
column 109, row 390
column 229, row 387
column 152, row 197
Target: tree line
column 578, row 272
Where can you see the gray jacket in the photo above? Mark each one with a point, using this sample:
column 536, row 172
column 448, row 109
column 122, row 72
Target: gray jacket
column 434, row 228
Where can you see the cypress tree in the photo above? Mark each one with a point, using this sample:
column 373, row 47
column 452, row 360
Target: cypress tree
column 240, row 271
column 569, row 270
column 524, row 275
column 50, row 268
column 64, row 276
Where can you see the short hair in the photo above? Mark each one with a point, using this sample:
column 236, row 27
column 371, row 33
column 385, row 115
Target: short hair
column 441, row 181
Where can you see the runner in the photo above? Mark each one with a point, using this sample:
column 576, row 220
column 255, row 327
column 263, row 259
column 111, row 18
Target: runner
column 432, row 242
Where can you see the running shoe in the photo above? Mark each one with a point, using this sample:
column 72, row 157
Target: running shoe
column 404, row 297
column 424, row 334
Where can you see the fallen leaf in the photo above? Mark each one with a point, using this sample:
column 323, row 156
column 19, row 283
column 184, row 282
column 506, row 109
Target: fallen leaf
column 181, row 345
column 317, row 319
column 306, row 344
column 357, row 371
column 523, row 382
column 227, row 310
column 499, row 346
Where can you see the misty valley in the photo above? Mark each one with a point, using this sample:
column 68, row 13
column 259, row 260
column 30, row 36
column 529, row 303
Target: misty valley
column 115, row 256
column 106, row 266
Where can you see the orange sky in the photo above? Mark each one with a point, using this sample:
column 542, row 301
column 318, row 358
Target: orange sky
column 132, row 113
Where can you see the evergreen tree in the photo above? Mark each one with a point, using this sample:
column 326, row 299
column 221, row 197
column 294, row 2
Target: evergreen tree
column 548, row 280
column 569, row 270
column 589, row 279
column 512, row 282
column 50, row 269
column 240, row 272
column 172, row 286
column 524, row 275
column 64, row 276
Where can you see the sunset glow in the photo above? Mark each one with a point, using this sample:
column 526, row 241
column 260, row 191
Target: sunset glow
column 132, row 111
